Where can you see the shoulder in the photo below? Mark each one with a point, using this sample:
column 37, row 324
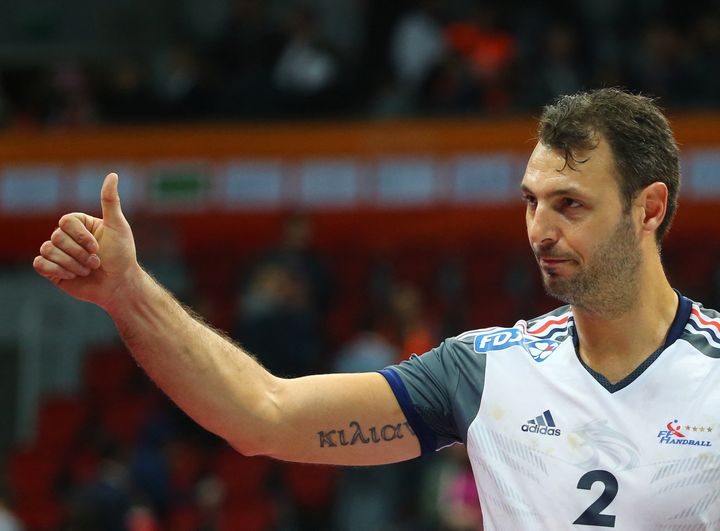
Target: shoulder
column 703, row 330
column 539, row 336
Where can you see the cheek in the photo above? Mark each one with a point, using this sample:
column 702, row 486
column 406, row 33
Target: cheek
column 582, row 246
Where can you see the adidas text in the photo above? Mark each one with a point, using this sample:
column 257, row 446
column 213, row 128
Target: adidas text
column 543, row 430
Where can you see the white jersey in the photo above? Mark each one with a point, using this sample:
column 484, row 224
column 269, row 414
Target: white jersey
column 554, row 445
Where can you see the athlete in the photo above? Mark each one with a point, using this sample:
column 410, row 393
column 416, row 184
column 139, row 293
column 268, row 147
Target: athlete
column 603, row 413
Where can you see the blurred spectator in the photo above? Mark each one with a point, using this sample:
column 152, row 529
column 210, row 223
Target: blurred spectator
column 277, row 323
column 294, row 252
column 661, row 65
column 558, row 66
column 243, row 55
column 209, row 498
column 287, row 289
column 417, row 46
column 141, row 518
column 74, row 104
column 306, row 75
column 368, row 351
column 150, row 469
column 452, row 297
column 411, row 328
column 706, row 58
column 490, row 50
column 123, row 92
column 367, row 498
column 179, row 84
column 161, row 247
column 104, row 502
column 457, row 500
column 8, row 521
column 28, row 96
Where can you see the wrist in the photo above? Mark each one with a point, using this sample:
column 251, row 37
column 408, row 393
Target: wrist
column 128, row 291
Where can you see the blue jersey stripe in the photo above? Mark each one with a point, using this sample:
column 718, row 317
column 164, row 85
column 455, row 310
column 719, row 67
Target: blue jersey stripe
column 428, row 441
column 547, row 334
column 708, row 330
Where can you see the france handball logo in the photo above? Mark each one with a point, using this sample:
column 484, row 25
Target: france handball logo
column 675, row 430
column 676, row 434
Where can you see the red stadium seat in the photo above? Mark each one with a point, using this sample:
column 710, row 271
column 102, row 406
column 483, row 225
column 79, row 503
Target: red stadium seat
column 32, row 472
column 259, row 515
column 82, row 465
column 124, row 418
column 60, row 420
column 41, row 514
column 108, row 373
column 186, row 464
column 243, row 477
column 185, row 518
column 312, row 486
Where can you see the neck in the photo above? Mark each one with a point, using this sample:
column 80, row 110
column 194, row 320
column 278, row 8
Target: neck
column 616, row 345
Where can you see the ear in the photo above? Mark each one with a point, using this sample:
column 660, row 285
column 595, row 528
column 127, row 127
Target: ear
column 652, row 201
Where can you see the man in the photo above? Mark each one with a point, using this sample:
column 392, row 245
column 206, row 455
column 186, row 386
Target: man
column 603, row 413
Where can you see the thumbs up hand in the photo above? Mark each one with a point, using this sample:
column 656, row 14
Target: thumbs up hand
column 88, row 257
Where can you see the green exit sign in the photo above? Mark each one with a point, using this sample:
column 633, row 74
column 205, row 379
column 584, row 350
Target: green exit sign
column 180, row 186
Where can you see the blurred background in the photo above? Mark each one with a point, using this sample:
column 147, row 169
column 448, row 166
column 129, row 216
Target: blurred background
column 344, row 172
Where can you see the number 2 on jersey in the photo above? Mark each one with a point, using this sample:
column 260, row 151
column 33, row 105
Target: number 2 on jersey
column 592, row 515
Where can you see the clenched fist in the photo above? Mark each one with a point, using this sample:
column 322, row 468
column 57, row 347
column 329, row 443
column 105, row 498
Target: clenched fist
column 88, row 257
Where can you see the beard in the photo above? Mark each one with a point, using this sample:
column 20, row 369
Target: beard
column 607, row 284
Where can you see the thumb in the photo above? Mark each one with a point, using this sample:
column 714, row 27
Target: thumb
column 110, row 200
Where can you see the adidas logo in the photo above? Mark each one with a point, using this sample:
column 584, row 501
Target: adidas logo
column 543, row 424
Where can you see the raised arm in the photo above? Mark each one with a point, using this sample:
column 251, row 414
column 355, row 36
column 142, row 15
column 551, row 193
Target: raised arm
column 340, row 418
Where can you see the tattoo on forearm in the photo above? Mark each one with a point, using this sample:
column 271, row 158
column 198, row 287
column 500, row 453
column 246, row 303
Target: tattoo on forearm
column 355, row 435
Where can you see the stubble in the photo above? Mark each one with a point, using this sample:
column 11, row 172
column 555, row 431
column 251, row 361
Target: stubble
column 607, row 283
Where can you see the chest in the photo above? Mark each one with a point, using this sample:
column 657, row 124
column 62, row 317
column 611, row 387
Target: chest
column 551, row 446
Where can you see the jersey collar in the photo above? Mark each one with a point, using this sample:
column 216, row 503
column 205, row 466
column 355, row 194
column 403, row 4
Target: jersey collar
column 675, row 331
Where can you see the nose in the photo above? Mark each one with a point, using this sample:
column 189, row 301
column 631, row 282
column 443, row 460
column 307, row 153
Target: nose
column 541, row 227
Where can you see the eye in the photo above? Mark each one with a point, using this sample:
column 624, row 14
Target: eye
column 568, row 202
column 530, row 200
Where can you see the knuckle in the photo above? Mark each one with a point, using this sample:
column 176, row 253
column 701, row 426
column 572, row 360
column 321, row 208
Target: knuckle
column 57, row 236
column 46, row 248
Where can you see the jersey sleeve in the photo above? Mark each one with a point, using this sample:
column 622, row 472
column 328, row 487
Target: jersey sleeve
column 439, row 392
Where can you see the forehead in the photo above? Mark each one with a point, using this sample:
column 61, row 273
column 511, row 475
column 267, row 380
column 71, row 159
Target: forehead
column 547, row 171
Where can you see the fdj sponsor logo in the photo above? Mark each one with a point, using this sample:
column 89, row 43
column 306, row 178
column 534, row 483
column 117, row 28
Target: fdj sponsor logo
column 539, row 349
column 498, row 340
column 677, row 434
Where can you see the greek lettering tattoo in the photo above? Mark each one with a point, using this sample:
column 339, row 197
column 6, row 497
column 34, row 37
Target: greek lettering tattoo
column 354, row 434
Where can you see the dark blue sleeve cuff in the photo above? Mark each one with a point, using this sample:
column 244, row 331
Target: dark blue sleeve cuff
column 426, row 437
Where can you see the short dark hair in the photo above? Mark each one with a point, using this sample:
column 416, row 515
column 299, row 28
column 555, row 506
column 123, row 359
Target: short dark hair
column 639, row 135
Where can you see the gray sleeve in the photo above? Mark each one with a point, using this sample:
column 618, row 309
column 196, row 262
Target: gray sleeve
column 440, row 392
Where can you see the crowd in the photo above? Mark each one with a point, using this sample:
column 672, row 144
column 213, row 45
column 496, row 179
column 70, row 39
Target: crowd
column 260, row 60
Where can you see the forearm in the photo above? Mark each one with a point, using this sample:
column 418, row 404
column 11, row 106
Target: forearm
column 214, row 381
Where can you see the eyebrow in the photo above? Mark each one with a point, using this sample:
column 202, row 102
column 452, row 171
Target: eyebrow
column 572, row 190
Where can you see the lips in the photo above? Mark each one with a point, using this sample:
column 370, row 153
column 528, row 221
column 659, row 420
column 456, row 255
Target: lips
column 552, row 261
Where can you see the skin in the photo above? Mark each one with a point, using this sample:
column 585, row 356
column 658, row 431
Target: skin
column 600, row 257
column 576, row 226
column 217, row 383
